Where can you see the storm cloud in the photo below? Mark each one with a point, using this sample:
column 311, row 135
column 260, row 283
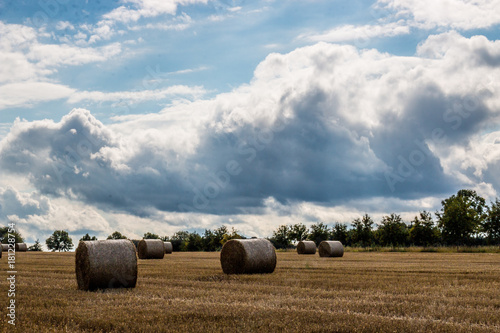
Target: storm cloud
column 327, row 124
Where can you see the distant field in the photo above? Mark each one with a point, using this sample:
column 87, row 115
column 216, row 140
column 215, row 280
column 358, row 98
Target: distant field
column 187, row 292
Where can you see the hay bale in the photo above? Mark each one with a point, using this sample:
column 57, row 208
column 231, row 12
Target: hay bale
column 5, row 247
column 331, row 249
column 106, row 264
column 306, row 247
column 168, row 247
column 21, row 247
column 248, row 256
column 151, row 249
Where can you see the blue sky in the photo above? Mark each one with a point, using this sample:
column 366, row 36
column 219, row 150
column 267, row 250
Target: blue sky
column 143, row 115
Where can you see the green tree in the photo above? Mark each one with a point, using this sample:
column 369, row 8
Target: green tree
column 212, row 240
column 231, row 235
column 339, row 233
column 361, row 233
column 297, row 232
column 207, row 240
column 319, row 232
column 461, row 216
column 59, row 241
column 36, row 247
column 422, row 231
column 491, row 225
column 193, row 242
column 281, row 237
column 393, row 231
column 116, row 235
column 219, row 235
column 87, row 237
column 150, row 235
column 178, row 240
column 4, row 236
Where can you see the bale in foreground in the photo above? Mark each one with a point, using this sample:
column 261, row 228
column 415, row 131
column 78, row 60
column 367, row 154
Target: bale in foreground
column 106, row 264
column 306, row 247
column 21, row 247
column 331, row 249
column 151, row 249
column 168, row 247
column 5, row 247
column 248, row 256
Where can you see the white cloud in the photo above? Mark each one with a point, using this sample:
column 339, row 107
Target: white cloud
column 63, row 25
column 360, row 33
column 180, row 22
column 457, row 14
column 50, row 55
column 28, row 93
column 137, row 96
column 27, row 65
column 147, row 8
column 324, row 125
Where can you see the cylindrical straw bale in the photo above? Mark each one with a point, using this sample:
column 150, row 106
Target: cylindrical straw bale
column 5, row 247
column 331, row 249
column 248, row 256
column 21, row 247
column 106, row 264
column 306, row 247
column 168, row 247
column 151, row 249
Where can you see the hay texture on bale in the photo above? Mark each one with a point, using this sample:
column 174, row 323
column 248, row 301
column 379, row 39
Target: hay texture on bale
column 5, row 247
column 168, row 247
column 106, row 264
column 306, row 247
column 151, row 249
column 21, row 247
column 331, row 249
column 248, row 256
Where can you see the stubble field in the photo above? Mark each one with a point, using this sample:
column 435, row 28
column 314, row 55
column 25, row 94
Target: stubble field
column 187, row 292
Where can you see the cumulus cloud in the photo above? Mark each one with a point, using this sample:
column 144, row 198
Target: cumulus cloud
column 456, row 14
column 22, row 204
column 324, row 125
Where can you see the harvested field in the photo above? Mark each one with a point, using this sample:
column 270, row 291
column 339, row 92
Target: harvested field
column 361, row 292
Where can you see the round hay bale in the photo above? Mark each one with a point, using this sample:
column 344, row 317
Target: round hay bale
column 306, row 247
column 106, row 264
column 331, row 249
column 151, row 249
column 5, row 247
column 21, row 247
column 168, row 247
column 248, row 256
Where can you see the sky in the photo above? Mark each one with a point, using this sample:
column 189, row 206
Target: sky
column 160, row 116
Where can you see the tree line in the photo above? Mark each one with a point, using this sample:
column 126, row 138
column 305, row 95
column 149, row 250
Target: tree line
column 464, row 219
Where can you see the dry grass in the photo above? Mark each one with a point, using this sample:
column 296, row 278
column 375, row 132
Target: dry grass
column 187, row 292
